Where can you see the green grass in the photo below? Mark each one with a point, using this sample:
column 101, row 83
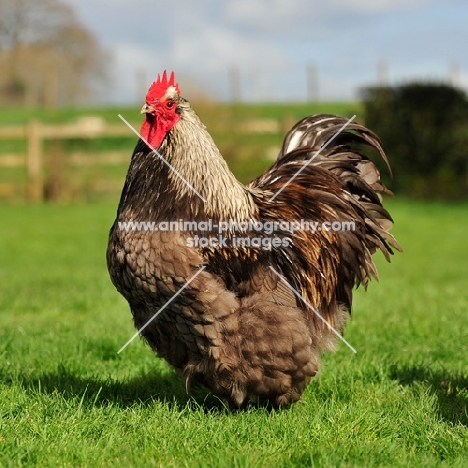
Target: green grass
column 68, row 399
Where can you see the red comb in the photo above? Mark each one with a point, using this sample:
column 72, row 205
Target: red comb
column 159, row 87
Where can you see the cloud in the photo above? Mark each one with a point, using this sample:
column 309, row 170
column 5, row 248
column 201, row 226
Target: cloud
column 316, row 19
column 273, row 41
column 206, row 58
column 219, row 47
column 377, row 7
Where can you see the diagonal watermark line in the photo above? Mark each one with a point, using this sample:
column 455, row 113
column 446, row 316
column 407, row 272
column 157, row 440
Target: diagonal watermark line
column 161, row 309
column 129, row 125
column 314, row 310
column 312, row 158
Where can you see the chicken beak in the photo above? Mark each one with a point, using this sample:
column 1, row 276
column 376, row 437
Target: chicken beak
column 147, row 109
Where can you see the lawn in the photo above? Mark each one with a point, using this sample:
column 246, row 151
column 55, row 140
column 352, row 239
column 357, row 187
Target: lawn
column 68, row 399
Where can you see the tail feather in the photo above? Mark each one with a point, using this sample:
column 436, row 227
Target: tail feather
column 344, row 158
column 315, row 131
column 337, row 181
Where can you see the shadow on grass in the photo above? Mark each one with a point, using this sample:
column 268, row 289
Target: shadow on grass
column 143, row 391
column 451, row 390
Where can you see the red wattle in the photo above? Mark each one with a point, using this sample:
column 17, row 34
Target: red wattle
column 153, row 132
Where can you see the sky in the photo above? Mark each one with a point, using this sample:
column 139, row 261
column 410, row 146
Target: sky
column 277, row 50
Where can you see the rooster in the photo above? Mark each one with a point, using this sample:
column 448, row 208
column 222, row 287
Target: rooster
column 247, row 320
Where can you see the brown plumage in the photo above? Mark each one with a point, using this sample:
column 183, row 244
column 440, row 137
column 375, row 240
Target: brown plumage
column 237, row 328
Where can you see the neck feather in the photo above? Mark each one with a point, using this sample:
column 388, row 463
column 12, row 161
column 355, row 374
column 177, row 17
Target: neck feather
column 197, row 170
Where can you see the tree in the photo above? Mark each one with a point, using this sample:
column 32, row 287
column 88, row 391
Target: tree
column 46, row 55
column 424, row 129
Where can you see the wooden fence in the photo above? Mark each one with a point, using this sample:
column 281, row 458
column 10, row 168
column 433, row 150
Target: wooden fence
column 35, row 133
column 40, row 169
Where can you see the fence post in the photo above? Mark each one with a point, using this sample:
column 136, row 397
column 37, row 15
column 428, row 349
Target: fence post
column 35, row 175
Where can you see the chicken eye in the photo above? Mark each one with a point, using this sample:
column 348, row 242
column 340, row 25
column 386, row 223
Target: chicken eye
column 170, row 104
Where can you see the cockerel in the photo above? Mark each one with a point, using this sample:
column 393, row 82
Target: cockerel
column 248, row 320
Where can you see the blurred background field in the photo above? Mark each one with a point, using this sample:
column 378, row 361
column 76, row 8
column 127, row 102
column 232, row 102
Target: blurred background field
column 93, row 167
column 67, row 74
column 82, row 154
